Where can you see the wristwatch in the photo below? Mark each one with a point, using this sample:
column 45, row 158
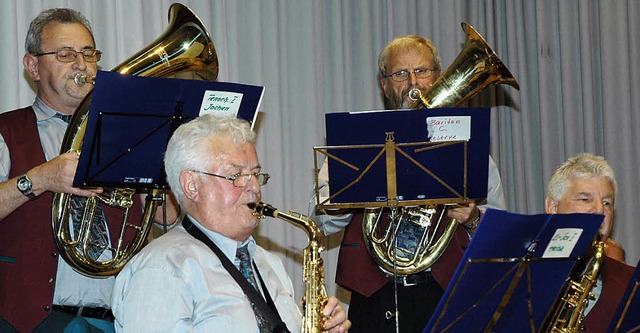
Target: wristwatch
column 24, row 186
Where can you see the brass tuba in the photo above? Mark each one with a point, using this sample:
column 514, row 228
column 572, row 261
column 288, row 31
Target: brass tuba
column 474, row 69
column 185, row 46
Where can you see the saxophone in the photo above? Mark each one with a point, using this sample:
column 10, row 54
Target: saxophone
column 568, row 312
column 315, row 297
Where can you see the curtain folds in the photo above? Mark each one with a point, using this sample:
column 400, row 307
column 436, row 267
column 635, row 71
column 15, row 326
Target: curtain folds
column 576, row 63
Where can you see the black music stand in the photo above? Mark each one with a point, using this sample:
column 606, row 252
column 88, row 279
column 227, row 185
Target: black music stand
column 405, row 157
column 512, row 271
column 627, row 317
column 131, row 119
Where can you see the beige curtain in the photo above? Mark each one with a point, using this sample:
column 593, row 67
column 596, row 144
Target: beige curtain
column 576, row 62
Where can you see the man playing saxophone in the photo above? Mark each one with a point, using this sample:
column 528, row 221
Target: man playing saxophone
column 586, row 184
column 208, row 274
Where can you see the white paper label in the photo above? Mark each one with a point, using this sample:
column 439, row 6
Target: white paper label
column 449, row 128
column 562, row 243
column 220, row 103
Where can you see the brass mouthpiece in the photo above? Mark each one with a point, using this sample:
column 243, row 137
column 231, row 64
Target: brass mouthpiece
column 80, row 79
column 415, row 94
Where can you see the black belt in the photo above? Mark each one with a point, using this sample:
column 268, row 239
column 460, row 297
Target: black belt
column 413, row 279
column 98, row 313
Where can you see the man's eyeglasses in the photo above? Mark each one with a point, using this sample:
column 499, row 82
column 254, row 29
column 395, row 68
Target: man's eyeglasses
column 403, row 75
column 68, row 55
column 241, row 179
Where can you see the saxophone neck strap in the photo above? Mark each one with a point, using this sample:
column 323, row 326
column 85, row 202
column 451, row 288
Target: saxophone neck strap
column 265, row 311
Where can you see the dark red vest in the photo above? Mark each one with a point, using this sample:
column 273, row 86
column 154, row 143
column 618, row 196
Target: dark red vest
column 615, row 276
column 28, row 253
column 358, row 272
column 28, row 267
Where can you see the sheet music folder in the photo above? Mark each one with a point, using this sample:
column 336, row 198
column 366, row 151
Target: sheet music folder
column 131, row 119
column 627, row 317
column 512, row 271
column 405, row 157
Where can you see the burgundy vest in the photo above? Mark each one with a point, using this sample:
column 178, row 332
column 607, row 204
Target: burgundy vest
column 615, row 276
column 28, row 253
column 358, row 272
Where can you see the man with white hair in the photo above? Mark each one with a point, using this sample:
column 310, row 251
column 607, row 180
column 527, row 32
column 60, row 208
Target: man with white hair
column 189, row 280
column 586, row 184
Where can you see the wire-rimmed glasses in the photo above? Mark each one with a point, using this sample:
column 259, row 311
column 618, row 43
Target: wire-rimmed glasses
column 70, row 55
column 403, row 75
column 241, row 179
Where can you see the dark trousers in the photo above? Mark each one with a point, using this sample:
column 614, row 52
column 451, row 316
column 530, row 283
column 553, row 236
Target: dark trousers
column 58, row 322
column 416, row 304
column 5, row 327
column 55, row 322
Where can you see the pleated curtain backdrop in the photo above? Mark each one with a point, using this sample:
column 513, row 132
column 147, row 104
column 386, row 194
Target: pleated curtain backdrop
column 576, row 62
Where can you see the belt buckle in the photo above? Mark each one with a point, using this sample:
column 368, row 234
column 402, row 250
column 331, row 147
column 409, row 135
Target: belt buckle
column 407, row 283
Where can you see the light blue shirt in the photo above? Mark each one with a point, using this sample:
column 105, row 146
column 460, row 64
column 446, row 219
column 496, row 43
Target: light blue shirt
column 177, row 284
column 71, row 287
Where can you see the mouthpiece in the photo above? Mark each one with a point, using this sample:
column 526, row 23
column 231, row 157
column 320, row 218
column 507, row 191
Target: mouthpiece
column 415, row 94
column 80, row 79
column 261, row 209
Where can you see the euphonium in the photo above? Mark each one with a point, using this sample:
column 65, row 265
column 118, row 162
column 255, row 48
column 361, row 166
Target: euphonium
column 567, row 313
column 315, row 297
column 185, row 46
column 474, row 69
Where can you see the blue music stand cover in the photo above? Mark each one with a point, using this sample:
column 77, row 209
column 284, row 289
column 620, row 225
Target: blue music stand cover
column 131, row 119
column 512, row 271
column 452, row 171
column 627, row 317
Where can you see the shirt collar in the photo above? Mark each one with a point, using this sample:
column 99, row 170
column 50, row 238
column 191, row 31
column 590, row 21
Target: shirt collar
column 227, row 245
column 42, row 110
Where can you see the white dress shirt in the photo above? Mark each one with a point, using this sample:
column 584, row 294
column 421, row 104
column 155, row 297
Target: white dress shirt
column 177, row 284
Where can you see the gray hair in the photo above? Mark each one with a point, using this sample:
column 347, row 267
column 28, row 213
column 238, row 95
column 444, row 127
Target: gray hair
column 33, row 42
column 404, row 43
column 185, row 150
column 584, row 165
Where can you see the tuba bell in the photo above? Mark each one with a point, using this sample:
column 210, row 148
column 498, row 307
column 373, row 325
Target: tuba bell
column 184, row 47
column 428, row 229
